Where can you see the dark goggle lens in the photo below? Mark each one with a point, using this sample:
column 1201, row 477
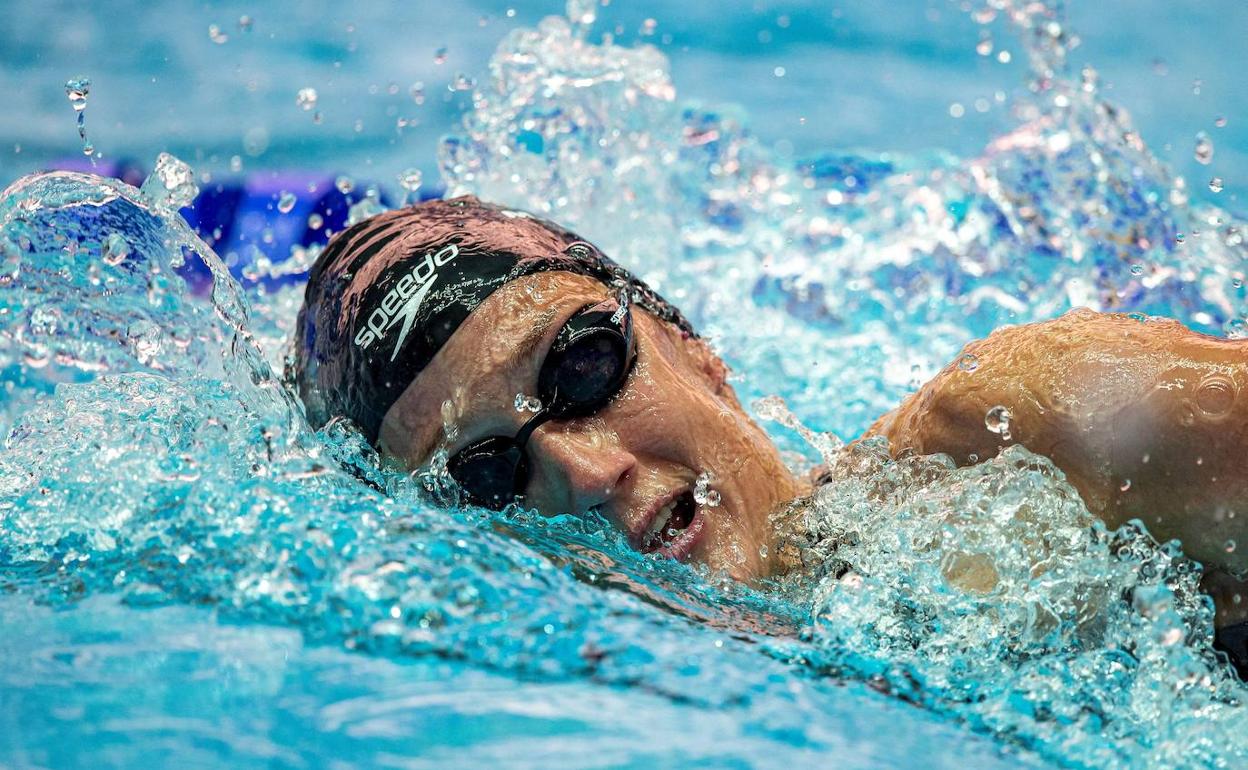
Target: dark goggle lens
column 589, row 361
column 586, row 366
column 491, row 472
column 586, row 374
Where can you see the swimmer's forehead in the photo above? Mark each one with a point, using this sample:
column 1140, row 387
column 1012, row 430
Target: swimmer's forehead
column 494, row 355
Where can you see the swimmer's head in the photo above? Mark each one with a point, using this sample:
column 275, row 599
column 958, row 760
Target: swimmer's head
column 546, row 371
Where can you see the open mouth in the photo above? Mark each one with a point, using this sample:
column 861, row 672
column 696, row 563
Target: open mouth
column 670, row 523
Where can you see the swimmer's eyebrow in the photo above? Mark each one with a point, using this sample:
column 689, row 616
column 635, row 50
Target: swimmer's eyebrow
column 530, row 342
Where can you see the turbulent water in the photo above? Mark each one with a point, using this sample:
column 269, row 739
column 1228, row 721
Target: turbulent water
column 152, row 457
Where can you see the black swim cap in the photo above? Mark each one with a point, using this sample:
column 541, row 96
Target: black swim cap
column 387, row 293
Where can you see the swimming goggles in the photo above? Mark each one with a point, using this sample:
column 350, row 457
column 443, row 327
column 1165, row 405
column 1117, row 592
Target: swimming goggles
column 587, row 365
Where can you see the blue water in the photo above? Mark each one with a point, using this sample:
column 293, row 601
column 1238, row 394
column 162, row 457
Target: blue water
column 192, row 577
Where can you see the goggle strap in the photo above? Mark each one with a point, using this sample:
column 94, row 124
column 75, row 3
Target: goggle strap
column 535, row 422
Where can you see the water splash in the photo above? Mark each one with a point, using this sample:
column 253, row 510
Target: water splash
column 150, row 454
column 171, row 185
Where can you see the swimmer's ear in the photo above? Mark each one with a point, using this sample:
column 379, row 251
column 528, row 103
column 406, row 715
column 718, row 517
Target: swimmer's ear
column 715, row 371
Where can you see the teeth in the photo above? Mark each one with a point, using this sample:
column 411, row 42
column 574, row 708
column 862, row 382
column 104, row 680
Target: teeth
column 660, row 520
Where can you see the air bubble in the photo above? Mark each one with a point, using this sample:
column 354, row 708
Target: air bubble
column 1215, row 184
column 1137, row 269
column 997, row 420
column 969, row 362
column 315, row 221
column 345, row 184
column 1229, row 546
column 216, row 35
column 286, row 203
column 439, row 56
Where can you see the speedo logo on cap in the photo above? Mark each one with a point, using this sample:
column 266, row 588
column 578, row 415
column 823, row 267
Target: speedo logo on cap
column 403, row 301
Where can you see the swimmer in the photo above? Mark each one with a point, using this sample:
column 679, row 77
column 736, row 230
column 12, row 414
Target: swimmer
column 548, row 374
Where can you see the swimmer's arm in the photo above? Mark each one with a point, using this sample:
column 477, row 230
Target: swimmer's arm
column 1147, row 419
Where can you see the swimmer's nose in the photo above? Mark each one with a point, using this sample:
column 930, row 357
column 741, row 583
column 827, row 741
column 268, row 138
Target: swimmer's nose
column 577, row 470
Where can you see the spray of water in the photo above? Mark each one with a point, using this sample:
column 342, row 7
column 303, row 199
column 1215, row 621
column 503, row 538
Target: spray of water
column 151, row 453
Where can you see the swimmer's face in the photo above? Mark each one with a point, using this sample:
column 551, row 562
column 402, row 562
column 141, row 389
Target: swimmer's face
column 637, row 460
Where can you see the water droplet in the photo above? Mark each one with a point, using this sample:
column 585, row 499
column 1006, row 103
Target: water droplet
column 216, row 35
column 306, row 99
column 315, row 221
column 582, row 13
column 779, row 72
column 969, row 362
column 245, row 23
column 1179, row 237
column 997, row 420
column 1220, row 121
column 984, row 46
column 956, row 110
column 37, row 357
column 702, row 491
column 77, row 90
column 1126, row 484
column 762, row 551
column 364, row 208
column 439, row 56
column 648, row 26
column 417, row 92
column 1215, row 184
column 525, row 403
column 1137, row 269
column 1204, row 148
column 345, row 184
column 171, row 185
column 462, row 82
column 1172, row 637
column 116, row 249
column 410, row 180
column 1230, row 545
column 286, row 202
column 1236, row 329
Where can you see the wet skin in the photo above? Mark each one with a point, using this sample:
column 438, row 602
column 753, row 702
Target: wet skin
column 674, row 419
column 1147, row 419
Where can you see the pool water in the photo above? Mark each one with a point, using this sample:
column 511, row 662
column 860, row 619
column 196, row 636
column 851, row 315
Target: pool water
column 191, row 576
